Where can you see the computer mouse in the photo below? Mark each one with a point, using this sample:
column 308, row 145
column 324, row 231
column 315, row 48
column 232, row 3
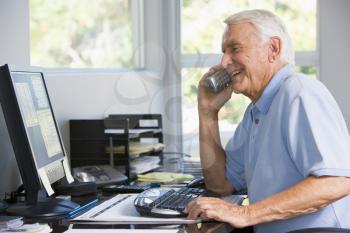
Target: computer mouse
column 197, row 183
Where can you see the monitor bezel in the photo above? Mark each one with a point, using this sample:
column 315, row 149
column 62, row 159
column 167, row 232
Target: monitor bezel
column 19, row 137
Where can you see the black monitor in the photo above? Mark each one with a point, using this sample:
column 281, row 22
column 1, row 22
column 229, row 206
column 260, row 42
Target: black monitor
column 35, row 139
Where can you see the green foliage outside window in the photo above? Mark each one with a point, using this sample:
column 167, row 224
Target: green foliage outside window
column 202, row 22
column 81, row 33
column 309, row 71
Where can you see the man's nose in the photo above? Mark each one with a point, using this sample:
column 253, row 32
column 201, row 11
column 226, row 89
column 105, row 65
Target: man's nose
column 226, row 60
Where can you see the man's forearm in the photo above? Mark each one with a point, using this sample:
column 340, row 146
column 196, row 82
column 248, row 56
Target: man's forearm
column 306, row 197
column 212, row 155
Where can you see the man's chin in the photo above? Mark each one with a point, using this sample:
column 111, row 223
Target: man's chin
column 237, row 90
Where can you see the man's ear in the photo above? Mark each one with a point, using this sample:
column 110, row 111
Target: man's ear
column 275, row 48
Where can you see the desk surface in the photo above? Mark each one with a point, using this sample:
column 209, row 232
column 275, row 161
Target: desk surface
column 60, row 226
column 194, row 228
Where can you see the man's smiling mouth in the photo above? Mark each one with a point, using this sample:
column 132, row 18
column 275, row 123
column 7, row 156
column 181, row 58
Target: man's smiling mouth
column 235, row 73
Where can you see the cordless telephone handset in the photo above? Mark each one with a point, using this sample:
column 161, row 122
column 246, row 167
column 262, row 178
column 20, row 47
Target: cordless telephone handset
column 218, row 81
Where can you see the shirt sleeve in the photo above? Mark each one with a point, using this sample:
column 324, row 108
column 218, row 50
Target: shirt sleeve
column 235, row 160
column 318, row 138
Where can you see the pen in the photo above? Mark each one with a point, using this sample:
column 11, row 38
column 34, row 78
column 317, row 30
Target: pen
column 80, row 209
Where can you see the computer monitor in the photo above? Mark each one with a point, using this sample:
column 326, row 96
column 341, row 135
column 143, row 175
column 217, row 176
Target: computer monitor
column 35, row 139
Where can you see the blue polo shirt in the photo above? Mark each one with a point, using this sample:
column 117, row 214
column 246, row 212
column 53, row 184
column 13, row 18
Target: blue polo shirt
column 294, row 130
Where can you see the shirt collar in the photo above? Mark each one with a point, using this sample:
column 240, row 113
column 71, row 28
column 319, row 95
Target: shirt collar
column 264, row 102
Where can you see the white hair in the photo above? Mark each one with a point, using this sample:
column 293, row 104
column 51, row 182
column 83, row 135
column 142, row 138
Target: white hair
column 267, row 25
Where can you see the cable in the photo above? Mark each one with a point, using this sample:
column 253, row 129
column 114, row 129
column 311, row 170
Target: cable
column 13, row 196
column 3, row 206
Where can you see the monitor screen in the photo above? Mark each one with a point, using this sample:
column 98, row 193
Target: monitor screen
column 38, row 118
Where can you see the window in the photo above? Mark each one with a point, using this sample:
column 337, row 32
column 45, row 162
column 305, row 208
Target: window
column 202, row 27
column 81, row 33
column 202, row 22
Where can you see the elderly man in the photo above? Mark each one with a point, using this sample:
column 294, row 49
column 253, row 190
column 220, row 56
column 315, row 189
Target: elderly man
column 291, row 150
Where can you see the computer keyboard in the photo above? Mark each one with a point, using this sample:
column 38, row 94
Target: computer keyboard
column 158, row 202
column 168, row 203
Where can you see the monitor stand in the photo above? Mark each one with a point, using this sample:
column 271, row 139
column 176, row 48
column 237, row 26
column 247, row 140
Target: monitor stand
column 50, row 207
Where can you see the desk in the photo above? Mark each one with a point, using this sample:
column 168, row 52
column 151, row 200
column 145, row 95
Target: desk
column 60, row 226
column 205, row 227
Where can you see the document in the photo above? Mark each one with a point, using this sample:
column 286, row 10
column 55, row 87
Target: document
column 131, row 131
column 29, row 228
column 120, row 210
column 164, row 177
column 136, row 148
column 10, row 221
column 45, row 181
column 144, row 164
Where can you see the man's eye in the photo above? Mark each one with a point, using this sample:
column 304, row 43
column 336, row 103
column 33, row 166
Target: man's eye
column 235, row 49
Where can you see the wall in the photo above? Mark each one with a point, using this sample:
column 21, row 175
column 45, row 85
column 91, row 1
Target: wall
column 14, row 48
column 95, row 95
column 334, row 34
column 14, row 40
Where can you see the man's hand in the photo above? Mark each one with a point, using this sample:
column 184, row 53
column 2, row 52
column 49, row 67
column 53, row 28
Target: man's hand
column 209, row 102
column 305, row 197
column 217, row 209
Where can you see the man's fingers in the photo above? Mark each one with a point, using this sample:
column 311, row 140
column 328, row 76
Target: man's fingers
column 189, row 207
column 212, row 70
column 211, row 214
column 194, row 209
column 204, row 215
column 199, row 208
column 194, row 214
column 216, row 68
